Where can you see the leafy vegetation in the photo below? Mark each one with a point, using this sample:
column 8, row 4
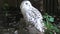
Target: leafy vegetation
column 50, row 28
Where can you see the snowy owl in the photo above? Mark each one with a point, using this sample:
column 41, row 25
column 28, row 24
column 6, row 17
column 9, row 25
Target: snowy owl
column 32, row 15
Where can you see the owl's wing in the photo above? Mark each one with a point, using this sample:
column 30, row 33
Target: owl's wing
column 30, row 16
column 33, row 14
column 37, row 13
column 38, row 17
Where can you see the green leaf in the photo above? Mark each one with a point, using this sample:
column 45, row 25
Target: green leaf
column 51, row 19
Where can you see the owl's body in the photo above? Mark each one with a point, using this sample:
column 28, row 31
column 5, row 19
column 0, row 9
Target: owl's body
column 32, row 15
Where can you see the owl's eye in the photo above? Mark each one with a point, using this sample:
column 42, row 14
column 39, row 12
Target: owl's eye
column 26, row 3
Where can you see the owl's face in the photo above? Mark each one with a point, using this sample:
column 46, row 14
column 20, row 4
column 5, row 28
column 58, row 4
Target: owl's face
column 25, row 4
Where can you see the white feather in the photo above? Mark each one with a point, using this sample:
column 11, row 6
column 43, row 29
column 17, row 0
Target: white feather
column 32, row 15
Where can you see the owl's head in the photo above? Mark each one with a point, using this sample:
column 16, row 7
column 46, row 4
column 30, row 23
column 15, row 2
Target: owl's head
column 25, row 4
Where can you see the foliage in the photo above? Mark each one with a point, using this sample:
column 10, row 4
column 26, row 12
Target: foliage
column 5, row 8
column 50, row 28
